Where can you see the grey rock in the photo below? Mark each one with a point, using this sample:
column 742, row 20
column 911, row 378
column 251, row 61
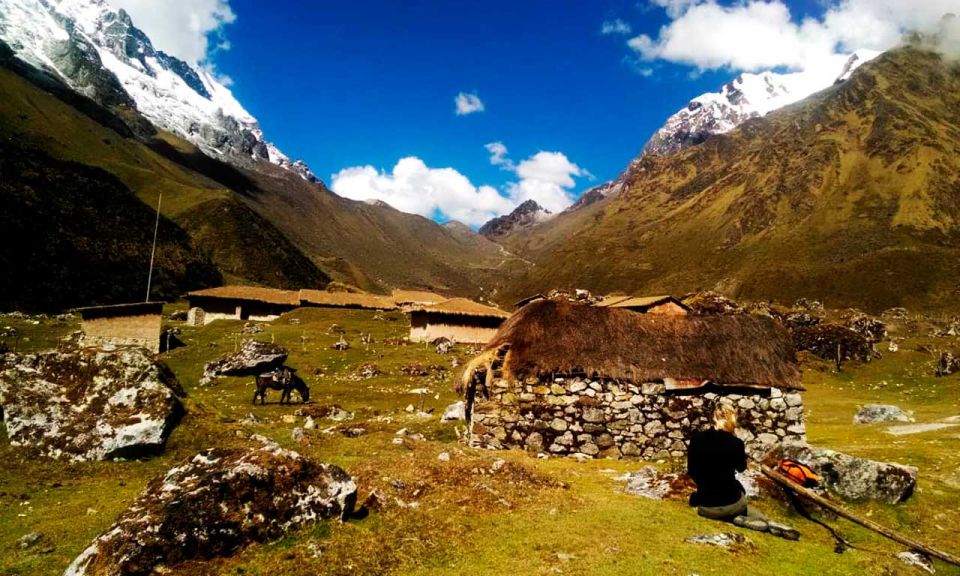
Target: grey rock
column 917, row 560
column 29, row 540
column 651, row 483
column 87, row 404
column 856, row 478
column 454, row 412
column 873, row 413
column 214, row 504
column 726, row 540
column 254, row 357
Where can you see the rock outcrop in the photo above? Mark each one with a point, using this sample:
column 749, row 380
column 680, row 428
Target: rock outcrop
column 856, row 478
column 254, row 357
column 873, row 413
column 947, row 364
column 523, row 216
column 89, row 404
column 214, row 504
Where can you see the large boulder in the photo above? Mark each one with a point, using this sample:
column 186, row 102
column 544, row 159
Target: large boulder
column 89, row 404
column 856, row 478
column 254, row 357
column 873, row 413
column 215, row 503
column 947, row 364
column 872, row 329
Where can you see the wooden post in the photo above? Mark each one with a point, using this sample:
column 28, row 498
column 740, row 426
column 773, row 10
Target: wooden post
column 788, row 484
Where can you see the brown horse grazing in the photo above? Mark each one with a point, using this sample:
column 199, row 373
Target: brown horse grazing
column 283, row 379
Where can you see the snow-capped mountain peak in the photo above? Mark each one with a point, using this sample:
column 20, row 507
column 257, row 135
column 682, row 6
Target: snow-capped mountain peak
column 749, row 95
column 99, row 52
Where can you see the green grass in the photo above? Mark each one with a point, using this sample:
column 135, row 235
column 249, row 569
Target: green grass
column 532, row 517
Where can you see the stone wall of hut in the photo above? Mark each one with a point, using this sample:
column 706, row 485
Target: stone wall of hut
column 604, row 418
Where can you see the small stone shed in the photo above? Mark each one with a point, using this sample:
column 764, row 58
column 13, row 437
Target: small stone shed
column 239, row 303
column 360, row 301
column 457, row 319
column 605, row 382
column 667, row 305
column 137, row 324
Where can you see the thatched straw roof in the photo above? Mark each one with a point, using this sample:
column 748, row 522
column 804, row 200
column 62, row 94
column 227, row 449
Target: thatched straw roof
column 463, row 307
column 550, row 337
column 120, row 310
column 250, row 294
column 639, row 302
column 346, row 300
column 416, row 297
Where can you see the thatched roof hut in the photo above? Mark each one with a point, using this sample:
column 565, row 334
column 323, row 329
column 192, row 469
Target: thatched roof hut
column 592, row 381
column 647, row 304
column 550, row 337
column 456, row 319
column 322, row 298
column 416, row 298
column 240, row 303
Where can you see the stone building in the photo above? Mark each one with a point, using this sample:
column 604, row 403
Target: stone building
column 136, row 324
column 457, row 319
column 239, row 303
column 667, row 305
column 605, row 382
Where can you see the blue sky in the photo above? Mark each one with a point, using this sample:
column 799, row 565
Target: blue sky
column 354, row 87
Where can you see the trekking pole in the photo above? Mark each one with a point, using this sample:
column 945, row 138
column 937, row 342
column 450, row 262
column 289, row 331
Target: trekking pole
column 866, row 523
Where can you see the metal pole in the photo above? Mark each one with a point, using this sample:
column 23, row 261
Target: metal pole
column 153, row 250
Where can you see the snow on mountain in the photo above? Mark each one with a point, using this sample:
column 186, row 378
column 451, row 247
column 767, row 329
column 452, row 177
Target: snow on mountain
column 748, row 96
column 99, row 52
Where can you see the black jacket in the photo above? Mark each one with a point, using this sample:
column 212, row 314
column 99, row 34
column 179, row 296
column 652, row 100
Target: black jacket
column 713, row 459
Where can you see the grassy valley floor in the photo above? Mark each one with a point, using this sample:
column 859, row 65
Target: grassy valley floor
column 471, row 514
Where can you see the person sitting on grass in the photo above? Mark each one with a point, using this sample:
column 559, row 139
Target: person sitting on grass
column 713, row 459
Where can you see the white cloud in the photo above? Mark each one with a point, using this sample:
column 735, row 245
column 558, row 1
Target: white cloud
column 617, row 26
column 545, row 177
column 468, row 104
column 498, row 155
column 757, row 34
column 412, row 186
column 188, row 29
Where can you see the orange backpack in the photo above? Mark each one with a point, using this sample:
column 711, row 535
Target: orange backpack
column 799, row 473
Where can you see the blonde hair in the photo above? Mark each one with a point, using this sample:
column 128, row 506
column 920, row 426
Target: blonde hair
column 725, row 418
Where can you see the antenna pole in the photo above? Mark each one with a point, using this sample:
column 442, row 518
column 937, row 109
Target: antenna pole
column 153, row 250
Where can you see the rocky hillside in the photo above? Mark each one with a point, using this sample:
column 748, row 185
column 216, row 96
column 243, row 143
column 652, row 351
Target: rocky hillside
column 525, row 215
column 849, row 196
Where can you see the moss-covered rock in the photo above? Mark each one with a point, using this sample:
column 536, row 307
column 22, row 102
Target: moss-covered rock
column 213, row 504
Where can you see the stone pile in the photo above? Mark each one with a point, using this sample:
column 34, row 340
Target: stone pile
column 88, row 404
column 215, row 503
column 604, row 418
column 873, row 413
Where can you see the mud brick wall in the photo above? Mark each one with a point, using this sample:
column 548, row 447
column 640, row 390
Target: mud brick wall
column 124, row 331
column 605, row 418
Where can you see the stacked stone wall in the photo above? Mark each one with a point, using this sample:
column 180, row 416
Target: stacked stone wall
column 605, row 418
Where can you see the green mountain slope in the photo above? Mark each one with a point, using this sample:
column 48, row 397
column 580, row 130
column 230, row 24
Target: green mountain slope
column 259, row 224
column 851, row 196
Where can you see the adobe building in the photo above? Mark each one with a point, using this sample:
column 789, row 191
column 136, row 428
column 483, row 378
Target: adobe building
column 136, row 324
column 457, row 319
column 354, row 300
column 239, row 303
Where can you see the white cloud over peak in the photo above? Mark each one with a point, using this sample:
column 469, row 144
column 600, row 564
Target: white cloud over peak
column 760, row 34
column 468, row 104
column 616, row 26
column 188, row 29
column 411, row 186
column 414, row 187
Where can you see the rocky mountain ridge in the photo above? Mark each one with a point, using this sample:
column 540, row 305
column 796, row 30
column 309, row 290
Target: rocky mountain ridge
column 99, row 52
column 526, row 214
